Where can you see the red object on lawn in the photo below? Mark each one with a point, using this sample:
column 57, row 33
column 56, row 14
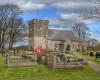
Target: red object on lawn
column 39, row 52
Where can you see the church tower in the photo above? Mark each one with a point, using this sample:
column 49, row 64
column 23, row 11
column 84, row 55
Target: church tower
column 38, row 32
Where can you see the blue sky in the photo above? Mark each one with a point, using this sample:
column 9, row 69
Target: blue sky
column 95, row 30
column 46, row 13
column 60, row 13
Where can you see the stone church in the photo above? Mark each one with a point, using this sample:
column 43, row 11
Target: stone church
column 52, row 39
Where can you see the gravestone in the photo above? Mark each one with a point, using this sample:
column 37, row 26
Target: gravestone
column 97, row 55
column 62, row 57
column 91, row 54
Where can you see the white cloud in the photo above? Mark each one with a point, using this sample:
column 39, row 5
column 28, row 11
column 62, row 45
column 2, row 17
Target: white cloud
column 57, row 24
column 75, row 18
column 74, row 4
column 32, row 6
column 68, row 16
column 68, row 9
column 69, row 6
column 76, row 10
column 26, row 5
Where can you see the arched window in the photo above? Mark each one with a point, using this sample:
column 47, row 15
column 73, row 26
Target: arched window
column 67, row 49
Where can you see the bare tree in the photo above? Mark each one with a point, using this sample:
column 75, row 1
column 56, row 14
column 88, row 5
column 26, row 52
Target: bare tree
column 16, row 32
column 94, row 11
column 81, row 30
column 10, row 25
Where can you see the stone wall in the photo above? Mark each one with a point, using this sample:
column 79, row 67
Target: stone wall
column 51, row 45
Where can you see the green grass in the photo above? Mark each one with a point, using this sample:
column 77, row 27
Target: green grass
column 40, row 72
column 92, row 58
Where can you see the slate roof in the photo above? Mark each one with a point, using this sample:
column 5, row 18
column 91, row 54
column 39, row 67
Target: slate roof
column 54, row 34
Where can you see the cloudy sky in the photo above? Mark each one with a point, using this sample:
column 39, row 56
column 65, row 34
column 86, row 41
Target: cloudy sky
column 60, row 13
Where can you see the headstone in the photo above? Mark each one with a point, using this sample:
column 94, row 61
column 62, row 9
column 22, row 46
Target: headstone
column 62, row 57
column 91, row 54
column 97, row 55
